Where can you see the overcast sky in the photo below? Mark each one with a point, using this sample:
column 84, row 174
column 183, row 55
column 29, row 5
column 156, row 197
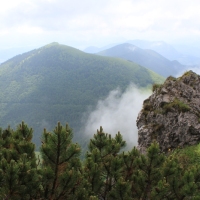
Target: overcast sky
column 82, row 23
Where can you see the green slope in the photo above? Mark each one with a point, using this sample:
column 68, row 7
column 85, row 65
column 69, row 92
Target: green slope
column 58, row 83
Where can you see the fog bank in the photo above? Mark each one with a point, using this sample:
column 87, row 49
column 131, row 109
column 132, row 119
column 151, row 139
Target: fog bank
column 117, row 112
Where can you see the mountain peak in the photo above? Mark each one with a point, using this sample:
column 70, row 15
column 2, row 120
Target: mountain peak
column 57, row 83
column 53, row 44
column 170, row 115
column 144, row 57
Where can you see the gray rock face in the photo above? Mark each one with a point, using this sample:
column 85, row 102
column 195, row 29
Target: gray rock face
column 171, row 115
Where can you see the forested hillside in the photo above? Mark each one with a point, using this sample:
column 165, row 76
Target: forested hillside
column 58, row 83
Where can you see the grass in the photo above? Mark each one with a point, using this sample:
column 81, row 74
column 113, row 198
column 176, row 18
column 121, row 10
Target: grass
column 171, row 78
column 187, row 156
column 156, row 86
column 176, row 104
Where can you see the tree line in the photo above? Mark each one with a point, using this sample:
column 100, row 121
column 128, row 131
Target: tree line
column 106, row 172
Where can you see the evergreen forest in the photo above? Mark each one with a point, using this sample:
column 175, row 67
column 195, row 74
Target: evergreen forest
column 105, row 172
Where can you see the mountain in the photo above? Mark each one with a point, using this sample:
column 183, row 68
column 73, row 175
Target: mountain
column 58, row 83
column 144, row 57
column 9, row 52
column 93, row 49
column 160, row 47
column 189, row 49
column 185, row 54
column 189, row 54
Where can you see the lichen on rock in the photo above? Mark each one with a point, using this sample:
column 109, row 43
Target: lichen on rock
column 171, row 115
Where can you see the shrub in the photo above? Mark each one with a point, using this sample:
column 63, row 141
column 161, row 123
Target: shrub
column 176, row 104
column 156, row 86
column 171, row 78
column 147, row 107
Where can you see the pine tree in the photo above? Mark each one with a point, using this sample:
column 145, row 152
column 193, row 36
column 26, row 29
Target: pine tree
column 121, row 190
column 178, row 181
column 106, row 174
column 61, row 165
column 103, row 165
column 141, row 172
column 18, row 164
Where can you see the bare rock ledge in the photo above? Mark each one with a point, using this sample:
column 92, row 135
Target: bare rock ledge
column 171, row 115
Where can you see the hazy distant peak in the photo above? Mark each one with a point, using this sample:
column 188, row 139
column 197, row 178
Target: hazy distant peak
column 144, row 57
column 94, row 49
column 52, row 44
column 126, row 46
column 132, row 48
column 160, row 47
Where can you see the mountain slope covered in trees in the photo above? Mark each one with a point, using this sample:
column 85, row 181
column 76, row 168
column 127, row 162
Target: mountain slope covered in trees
column 58, row 83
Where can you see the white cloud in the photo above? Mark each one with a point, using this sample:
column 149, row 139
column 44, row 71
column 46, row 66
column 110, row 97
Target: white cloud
column 92, row 22
column 117, row 112
column 26, row 29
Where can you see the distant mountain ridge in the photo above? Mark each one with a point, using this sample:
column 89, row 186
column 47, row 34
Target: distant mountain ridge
column 145, row 57
column 186, row 55
column 93, row 49
column 164, row 49
column 58, row 83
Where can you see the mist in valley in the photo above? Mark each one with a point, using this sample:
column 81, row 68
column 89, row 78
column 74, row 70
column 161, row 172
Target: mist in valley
column 117, row 112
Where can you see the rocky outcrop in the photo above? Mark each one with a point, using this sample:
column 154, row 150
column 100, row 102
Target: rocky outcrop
column 171, row 115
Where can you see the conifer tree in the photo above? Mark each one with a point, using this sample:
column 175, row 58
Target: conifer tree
column 103, row 165
column 61, row 165
column 125, row 187
column 18, row 164
column 178, row 181
column 141, row 172
column 106, row 174
column 149, row 171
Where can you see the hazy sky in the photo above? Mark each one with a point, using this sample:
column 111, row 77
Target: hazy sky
column 82, row 23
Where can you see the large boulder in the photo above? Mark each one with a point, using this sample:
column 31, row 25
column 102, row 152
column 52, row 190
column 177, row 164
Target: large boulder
column 171, row 115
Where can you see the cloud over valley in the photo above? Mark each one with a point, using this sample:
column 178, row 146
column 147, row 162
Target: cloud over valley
column 117, row 112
